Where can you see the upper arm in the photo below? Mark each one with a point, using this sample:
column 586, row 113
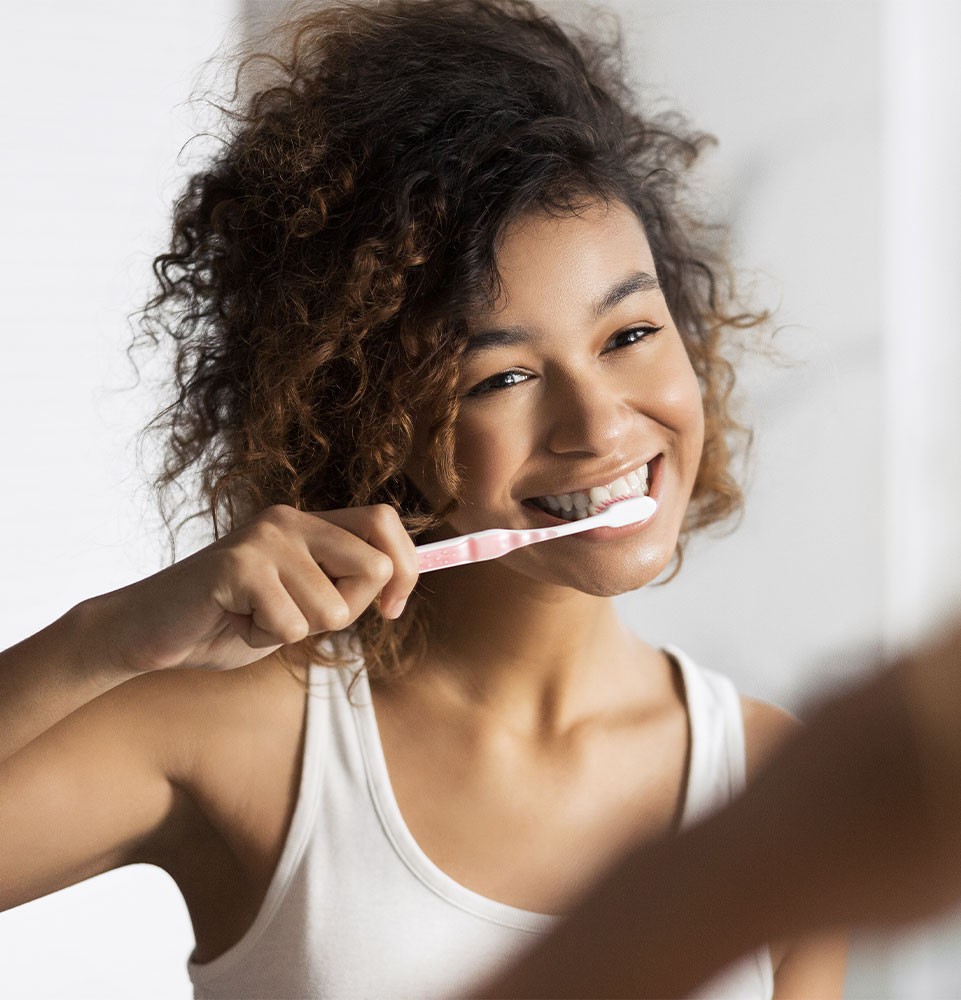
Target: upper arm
column 812, row 966
column 93, row 792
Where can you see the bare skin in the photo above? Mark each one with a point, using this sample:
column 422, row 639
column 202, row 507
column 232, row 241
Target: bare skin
column 530, row 680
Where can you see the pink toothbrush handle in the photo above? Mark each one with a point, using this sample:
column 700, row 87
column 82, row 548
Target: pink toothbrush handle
column 495, row 542
column 477, row 547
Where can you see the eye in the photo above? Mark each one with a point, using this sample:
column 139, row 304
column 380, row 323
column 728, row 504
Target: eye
column 502, row 380
column 633, row 335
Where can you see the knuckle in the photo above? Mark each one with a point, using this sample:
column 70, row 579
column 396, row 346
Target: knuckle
column 279, row 513
column 273, row 525
column 338, row 617
column 384, row 517
column 233, row 561
column 381, row 567
column 262, row 535
column 295, row 631
column 274, row 521
column 406, row 568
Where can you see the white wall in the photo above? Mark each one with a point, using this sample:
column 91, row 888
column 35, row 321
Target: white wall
column 816, row 113
column 921, row 195
column 91, row 125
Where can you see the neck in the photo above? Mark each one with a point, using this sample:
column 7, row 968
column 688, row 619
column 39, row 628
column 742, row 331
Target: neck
column 540, row 656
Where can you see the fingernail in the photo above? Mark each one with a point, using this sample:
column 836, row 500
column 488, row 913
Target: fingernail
column 397, row 608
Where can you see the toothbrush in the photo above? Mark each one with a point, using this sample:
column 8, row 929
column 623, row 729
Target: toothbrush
column 496, row 542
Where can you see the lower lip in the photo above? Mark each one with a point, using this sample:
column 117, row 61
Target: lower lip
column 612, row 534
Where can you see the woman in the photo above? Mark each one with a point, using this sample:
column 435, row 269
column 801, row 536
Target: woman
column 437, row 280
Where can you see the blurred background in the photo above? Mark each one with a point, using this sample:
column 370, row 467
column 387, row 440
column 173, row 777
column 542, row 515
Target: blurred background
column 840, row 151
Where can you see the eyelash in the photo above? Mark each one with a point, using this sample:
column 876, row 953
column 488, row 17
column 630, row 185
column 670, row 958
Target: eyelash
column 487, row 386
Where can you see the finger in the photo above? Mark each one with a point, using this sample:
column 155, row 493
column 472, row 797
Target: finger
column 337, row 548
column 381, row 528
column 362, row 576
column 348, row 547
column 270, row 616
column 359, row 592
column 321, row 601
column 356, row 570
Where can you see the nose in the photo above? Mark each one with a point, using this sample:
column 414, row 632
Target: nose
column 589, row 416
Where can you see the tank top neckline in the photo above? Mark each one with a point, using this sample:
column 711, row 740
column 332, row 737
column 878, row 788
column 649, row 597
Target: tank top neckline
column 415, row 858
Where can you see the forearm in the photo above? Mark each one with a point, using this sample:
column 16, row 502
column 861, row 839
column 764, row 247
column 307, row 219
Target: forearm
column 50, row 674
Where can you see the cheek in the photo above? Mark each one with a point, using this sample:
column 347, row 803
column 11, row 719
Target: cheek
column 679, row 403
column 485, row 455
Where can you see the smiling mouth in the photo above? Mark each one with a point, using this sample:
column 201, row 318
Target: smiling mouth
column 587, row 503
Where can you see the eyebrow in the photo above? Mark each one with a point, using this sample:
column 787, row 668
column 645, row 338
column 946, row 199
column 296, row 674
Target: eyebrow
column 509, row 336
column 639, row 281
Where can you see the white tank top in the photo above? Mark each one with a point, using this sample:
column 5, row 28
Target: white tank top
column 355, row 909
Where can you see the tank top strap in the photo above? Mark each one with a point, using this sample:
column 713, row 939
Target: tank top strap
column 716, row 774
column 716, row 725
column 320, row 708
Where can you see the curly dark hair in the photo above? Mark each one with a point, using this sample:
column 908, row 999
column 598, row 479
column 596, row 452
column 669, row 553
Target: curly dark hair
column 322, row 263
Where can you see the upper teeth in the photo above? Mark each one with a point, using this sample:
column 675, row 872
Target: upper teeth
column 585, row 503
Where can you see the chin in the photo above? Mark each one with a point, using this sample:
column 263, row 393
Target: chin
column 605, row 580
column 611, row 589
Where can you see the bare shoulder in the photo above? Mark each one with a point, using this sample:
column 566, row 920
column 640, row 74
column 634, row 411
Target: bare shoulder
column 766, row 727
column 227, row 732
column 120, row 780
column 238, row 757
column 183, row 714
column 232, row 747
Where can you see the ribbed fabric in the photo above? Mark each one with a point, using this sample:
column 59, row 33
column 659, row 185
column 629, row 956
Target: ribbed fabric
column 355, row 909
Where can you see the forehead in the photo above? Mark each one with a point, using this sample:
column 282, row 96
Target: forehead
column 568, row 258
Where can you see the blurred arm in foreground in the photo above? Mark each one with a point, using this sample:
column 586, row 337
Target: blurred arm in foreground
column 855, row 822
